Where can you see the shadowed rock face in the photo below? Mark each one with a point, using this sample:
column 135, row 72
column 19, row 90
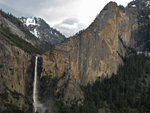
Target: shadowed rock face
column 14, row 64
column 16, row 69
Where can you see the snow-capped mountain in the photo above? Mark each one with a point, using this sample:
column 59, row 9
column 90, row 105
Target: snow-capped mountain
column 42, row 30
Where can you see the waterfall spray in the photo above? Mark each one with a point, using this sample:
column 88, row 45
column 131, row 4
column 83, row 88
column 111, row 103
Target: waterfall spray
column 35, row 93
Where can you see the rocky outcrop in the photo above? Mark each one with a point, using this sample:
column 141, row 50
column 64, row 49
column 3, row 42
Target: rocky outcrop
column 141, row 35
column 14, row 71
column 42, row 30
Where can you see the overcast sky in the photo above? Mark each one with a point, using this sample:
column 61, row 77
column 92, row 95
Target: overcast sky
column 67, row 16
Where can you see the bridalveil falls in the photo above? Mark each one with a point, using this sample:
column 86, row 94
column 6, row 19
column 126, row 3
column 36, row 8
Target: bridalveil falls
column 35, row 93
column 38, row 106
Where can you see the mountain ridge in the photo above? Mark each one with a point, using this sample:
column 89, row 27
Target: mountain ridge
column 39, row 28
column 15, row 27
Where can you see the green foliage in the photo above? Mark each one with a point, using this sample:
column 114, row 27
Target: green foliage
column 11, row 108
column 124, row 92
column 62, row 107
column 15, row 94
column 40, row 46
column 4, row 96
column 16, row 22
column 17, row 41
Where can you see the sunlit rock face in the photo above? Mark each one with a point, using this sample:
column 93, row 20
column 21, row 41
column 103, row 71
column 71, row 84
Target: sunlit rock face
column 94, row 52
column 97, row 51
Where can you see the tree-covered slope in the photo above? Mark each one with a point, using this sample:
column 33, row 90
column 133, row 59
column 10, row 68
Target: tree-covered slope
column 128, row 91
column 13, row 26
column 17, row 41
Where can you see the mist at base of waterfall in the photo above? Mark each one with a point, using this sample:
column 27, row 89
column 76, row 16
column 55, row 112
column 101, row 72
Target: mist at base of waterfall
column 47, row 107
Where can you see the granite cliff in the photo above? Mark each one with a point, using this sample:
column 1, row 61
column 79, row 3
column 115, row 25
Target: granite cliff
column 98, row 51
column 94, row 53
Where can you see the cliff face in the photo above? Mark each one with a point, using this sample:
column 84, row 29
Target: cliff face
column 16, row 68
column 14, row 65
column 96, row 51
column 14, row 71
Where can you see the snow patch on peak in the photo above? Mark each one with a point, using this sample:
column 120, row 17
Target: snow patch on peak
column 40, row 29
column 35, row 33
column 34, row 22
column 147, row 3
column 31, row 21
column 134, row 5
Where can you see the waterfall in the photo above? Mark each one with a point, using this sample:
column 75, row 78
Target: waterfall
column 35, row 92
column 38, row 106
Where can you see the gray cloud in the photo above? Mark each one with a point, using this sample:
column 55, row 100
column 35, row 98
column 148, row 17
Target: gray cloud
column 68, row 16
column 31, row 7
column 70, row 21
column 50, row 10
column 12, row 10
column 69, row 26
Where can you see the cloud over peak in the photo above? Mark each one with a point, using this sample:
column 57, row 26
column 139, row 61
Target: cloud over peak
column 64, row 15
column 69, row 26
